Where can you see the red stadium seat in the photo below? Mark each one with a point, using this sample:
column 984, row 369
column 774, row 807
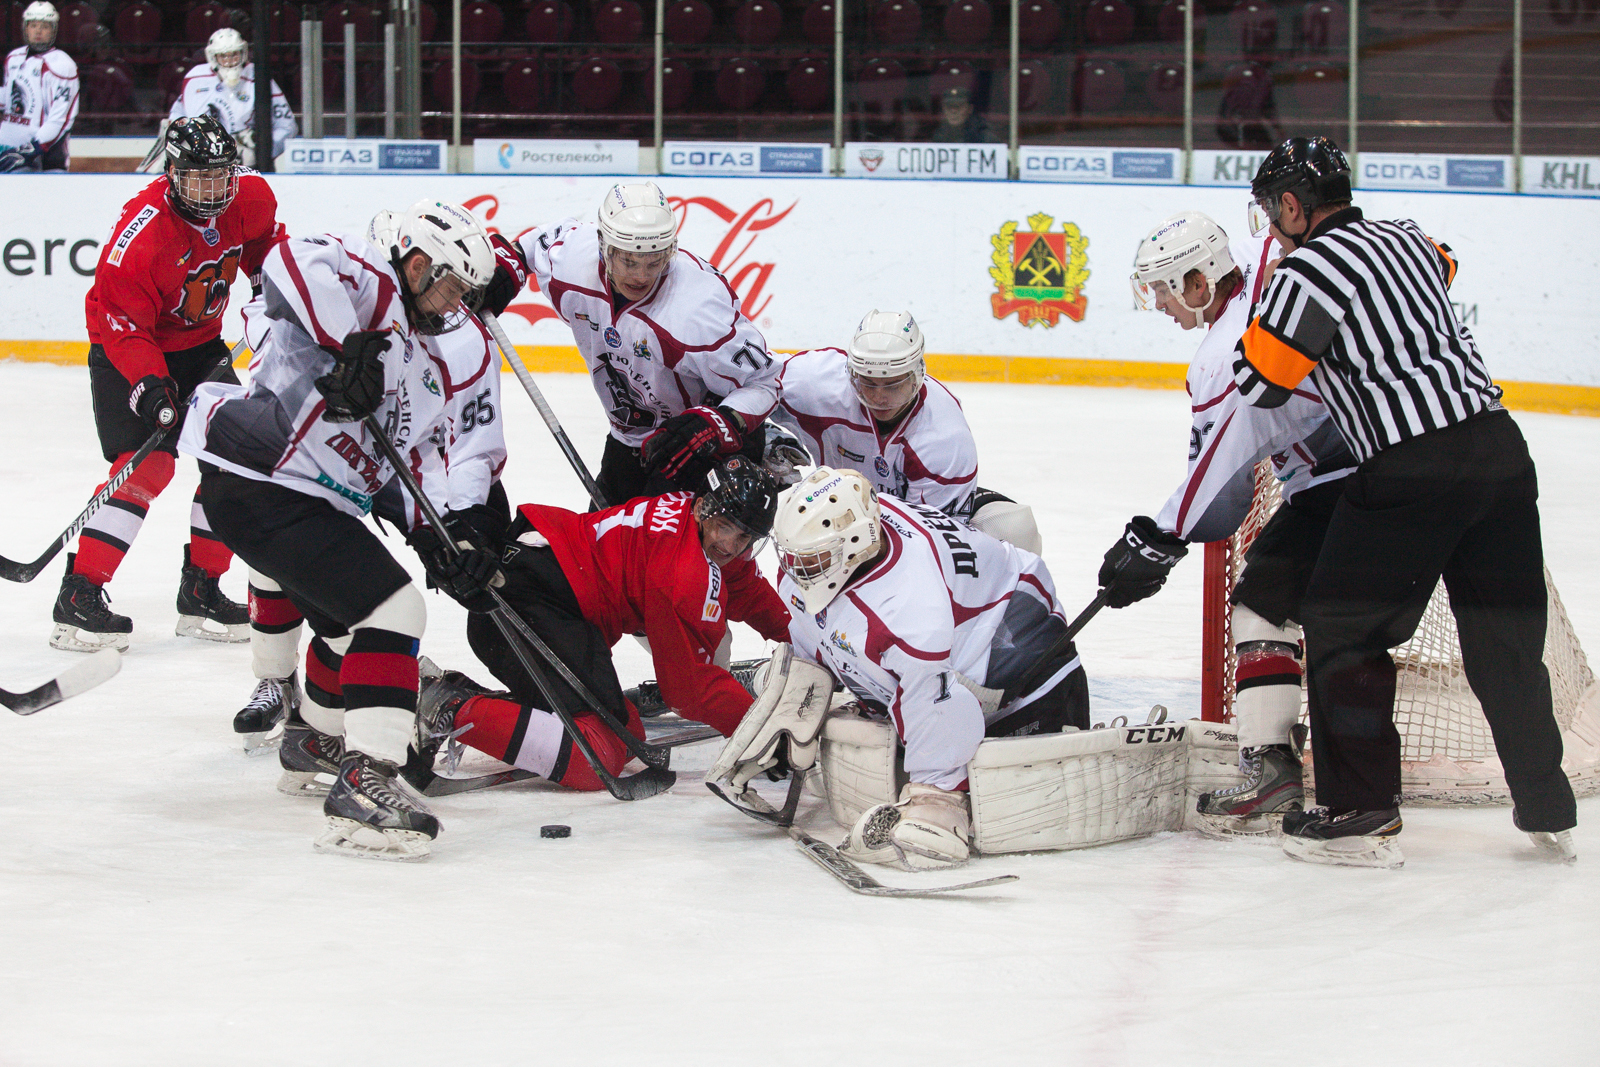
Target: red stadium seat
column 471, row 82
column 1246, row 107
column 597, row 83
column 427, row 23
column 817, row 23
column 549, row 22
column 523, row 85
column 1033, row 85
column 334, row 17
column 896, row 22
column 205, row 19
column 139, row 24
column 169, row 79
column 284, row 23
column 1253, row 27
column 759, row 22
column 1108, row 22
column 1100, row 86
column 76, row 21
column 618, row 22
column 881, row 84
column 951, row 74
column 1319, row 90
column 1038, row 23
column 688, row 21
column 1324, row 27
column 810, row 84
column 106, row 87
column 967, row 23
column 1169, row 22
column 481, row 22
column 1164, row 87
column 677, row 84
column 740, row 84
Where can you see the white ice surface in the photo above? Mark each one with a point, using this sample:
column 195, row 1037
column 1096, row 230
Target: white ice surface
column 161, row 904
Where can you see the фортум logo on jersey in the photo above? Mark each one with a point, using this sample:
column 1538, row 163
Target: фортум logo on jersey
column 1039, row 275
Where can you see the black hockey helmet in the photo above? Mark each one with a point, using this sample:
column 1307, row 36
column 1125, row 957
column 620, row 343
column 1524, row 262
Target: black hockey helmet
column 743, row 493
column 202, row 167
column 1312, row 168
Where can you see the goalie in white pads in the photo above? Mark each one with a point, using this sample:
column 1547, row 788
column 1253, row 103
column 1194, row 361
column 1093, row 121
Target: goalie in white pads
column 874, row 409
column 1186, row 269
column 951, row 634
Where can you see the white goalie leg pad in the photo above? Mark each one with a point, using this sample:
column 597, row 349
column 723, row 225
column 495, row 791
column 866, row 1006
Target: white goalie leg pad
column 859, row 765
column 1078, row 789
column 379, row 731
column 1267, row 701
column 1213, row 766
column 1010, row 522
column 794, row 704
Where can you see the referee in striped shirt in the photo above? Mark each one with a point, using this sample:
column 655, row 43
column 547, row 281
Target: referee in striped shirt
column 1445, row 487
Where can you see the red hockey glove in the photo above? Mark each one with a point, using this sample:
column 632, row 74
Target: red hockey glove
column 510, row 275
column 699, row 433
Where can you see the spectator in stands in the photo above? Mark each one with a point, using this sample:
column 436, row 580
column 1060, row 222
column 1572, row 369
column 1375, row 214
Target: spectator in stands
column 224, row 87
column 40, row 96
column 959, row 123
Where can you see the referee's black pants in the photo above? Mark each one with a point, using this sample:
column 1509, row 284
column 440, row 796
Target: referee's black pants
column 1461, row 503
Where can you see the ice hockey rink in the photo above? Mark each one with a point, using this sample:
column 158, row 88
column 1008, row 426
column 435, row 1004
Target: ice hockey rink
column 161, row 902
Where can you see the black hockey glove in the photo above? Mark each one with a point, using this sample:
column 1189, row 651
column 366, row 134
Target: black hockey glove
column 699, row 433
column 510, row 275
column 1137, row 565
column 155, row 400
column 467, row 577
column 354, row 388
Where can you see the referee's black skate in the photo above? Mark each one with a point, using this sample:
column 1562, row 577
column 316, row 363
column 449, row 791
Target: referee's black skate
column 439, row 697
column 1344, row 837
column 261, row 720
column 371, row 815
column 84, row 621
column 200, row 601
column 310, row 759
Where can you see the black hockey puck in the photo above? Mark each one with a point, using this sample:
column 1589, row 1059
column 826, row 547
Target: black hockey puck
column 555, row 829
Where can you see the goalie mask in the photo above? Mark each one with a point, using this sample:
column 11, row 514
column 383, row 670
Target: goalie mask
column 735, row 511
column 638, row 237
column 202, row 167
column 886, row 362
column 226, row 54
column 48, row 19
column 825, row 527
column 1187, row 242
column 460, row 262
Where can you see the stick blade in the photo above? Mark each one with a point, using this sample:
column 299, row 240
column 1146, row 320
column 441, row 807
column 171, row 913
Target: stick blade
column 857, row 880
column 647, row 783
column 79, row 678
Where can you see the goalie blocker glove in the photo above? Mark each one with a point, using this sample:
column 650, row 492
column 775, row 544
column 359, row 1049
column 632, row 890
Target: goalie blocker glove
column 155, row 400
column 354, row 388
column 698, row 433
column 1136, row 566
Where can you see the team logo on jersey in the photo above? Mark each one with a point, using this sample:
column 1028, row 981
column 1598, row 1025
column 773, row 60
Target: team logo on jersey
column 880, row 465
column 1037, row 274
column 641, row 349
column 211, row 236
column 430, row 383
column 842, row 642
column 613, row 338
column 799, row 605
column 205, row 290
column 129, row 232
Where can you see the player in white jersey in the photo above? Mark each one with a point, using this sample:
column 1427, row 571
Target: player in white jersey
column 224, row 86
column 1186, row 269
column 951, row 633
column 684, row 376
column 344, row 330
column 40, row 96
column 874, row 409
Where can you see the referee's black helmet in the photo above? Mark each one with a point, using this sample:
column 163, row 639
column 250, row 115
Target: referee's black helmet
column 1312, row 168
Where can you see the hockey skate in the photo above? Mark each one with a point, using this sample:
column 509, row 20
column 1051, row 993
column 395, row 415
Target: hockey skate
column 928, row 829
column 372, row 816
column 1344, row 838
column 200, row 601
column 441, row 695
column 84, row 621
column 1557, row 845
column 310, row 760
column 1255, row 807
column 261, row 720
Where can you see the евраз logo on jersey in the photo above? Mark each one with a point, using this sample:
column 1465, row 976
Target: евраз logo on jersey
column 1039, row 275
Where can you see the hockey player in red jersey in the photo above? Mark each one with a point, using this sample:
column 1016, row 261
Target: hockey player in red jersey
column 154, row 318
column 676, row 567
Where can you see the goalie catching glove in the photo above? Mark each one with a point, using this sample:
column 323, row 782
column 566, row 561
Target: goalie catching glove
column 1137, row 565
column 782, row 724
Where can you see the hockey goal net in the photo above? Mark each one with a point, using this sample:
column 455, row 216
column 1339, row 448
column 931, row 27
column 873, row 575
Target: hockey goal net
column 1447, row 753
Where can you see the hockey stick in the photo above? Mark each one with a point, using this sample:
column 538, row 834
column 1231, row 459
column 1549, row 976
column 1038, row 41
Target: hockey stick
column 12, row 571
column 647, row 699
column 648, row 782
column 1045, row 663
column 532, row 388
column 78, row 678
column 688, row 734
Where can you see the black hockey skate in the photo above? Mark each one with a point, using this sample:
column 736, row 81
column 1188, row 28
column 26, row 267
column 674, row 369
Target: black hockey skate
column 440, row 696
column 261, row 720
column 200, row 601
column 1344, row 837
column 372, row 816
column 310, row 759
column 84, row 621
column 1256, row 806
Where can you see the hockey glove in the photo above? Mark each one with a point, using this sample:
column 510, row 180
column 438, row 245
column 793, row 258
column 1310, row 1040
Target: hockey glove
column 699, row 433
column 22, row 157
column 354, row 388
column 510, row 275
column 467, row 577
column 1137, row 565
column 155, row 400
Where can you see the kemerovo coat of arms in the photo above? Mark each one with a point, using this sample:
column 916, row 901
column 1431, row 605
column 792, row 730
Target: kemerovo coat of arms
column 1039, row 274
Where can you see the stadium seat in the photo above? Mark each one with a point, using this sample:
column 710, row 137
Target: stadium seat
column 881, row 84
column 471, row 82
column 76, row 19
column 688, row 22
column 334, row 18
column 1253, row 28
column 1324, row 27
column 1108, row 22
column 740, row 84
column 597, row 83
column 523, row 85
column 138, row 25
column 549, row 22
column 759, row 22
column 1318, row 90
column 677, row 84
column 106, row 87
column 1246, row 106
column 618, row 22
column 169, row 79
column 817, row 23
column 1038, row 23
column 896, row 22
column 284, row 23
column 1164, row 86
column 1033, row 85
column 205, row 19
column 951, row 74
column 1169, row 22
column 810, row 84
column 967, row 23
column 481, row 23
column 1100, row 86
column 427, row 23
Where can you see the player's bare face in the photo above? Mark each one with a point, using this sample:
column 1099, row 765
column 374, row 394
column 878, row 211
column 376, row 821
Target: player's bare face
column 722, row 540
column 1195, row 291
column 39, row 34
column 633, row 274
column 885, row 397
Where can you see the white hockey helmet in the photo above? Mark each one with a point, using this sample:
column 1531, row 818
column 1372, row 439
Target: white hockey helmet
column 1185, row 242
column 456, row 244
column 40, row 11
column 887, row 344
column 826, row 526
column 636, row 218
column 226, row 54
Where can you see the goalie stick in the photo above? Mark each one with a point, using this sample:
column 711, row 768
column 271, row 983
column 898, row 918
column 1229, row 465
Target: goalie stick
column 78, row 678
column 648, row 782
